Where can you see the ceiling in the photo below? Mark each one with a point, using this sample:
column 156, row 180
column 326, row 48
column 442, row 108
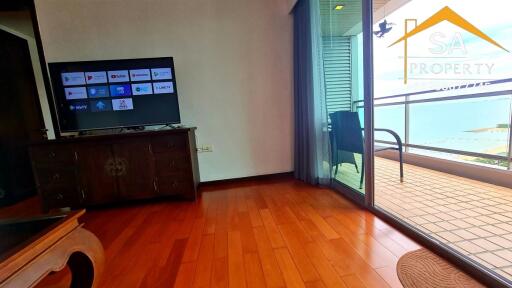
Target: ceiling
column 346, row 21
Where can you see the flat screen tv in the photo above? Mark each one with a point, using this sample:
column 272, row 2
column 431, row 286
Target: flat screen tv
column 115, row 93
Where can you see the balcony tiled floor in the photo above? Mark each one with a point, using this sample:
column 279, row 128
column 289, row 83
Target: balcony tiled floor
column 473, row 217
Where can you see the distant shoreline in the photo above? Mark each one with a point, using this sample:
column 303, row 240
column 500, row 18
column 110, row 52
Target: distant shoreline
column 495, row 129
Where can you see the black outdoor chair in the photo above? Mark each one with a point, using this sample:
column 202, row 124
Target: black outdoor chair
column 346, row 137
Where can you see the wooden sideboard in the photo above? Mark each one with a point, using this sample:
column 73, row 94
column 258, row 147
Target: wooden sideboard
column 94, row 170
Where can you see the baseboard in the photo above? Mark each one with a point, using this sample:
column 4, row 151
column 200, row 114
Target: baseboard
column 240, row 180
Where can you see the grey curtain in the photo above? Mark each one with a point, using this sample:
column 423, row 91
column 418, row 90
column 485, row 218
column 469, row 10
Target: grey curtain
column 312, row 160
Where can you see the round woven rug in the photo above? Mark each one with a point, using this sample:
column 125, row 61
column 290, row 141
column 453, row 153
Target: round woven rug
column 424, row 269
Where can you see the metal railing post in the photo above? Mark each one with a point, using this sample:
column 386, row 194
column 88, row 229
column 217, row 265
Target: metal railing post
column 406, row 121
column 368, row 101
column 509, row 164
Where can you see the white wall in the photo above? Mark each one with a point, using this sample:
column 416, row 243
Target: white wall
column 233, row 63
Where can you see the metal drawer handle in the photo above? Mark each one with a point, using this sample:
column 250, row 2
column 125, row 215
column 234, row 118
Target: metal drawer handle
column 56, row 176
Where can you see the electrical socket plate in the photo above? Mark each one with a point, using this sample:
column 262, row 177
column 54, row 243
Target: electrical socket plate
column 208, row 148
column 205, row 148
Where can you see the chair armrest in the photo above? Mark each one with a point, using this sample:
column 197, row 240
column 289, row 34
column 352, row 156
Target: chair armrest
column 394, row 134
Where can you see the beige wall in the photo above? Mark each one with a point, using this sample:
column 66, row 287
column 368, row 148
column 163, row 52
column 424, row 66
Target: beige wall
column 290, row 4
column 233, row 63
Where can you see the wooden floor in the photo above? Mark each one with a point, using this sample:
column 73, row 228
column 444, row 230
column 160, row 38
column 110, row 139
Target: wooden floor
column 279, row 233
column 255, row 234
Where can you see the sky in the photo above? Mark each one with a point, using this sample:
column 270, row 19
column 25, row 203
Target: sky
column 443, row 47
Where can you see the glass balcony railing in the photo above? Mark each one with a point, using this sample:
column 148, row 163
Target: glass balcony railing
column 459, row 124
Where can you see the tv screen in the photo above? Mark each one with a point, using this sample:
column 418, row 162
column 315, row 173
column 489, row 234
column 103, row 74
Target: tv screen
column 115, row 93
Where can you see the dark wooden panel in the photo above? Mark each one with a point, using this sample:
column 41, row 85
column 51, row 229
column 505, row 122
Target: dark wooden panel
column 169, row 143
column 20, row 119
column 136, row 171
column 51, row 155
column 58, row 195
column 172, row 164
column 56, row 176
column 61, row 175
column 97, row 179
column 176, row 186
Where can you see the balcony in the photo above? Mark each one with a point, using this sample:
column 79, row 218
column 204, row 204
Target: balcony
column 457, row 170
column 472, row 217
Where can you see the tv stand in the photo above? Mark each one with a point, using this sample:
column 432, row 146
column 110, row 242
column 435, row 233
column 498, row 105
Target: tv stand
column 135, row 128
column 102, row 169
column 170, row 126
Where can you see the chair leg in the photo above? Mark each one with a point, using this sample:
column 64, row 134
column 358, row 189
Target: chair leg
column 401, row 166
column 335, row 161
column 362, row 173
column 357, row 169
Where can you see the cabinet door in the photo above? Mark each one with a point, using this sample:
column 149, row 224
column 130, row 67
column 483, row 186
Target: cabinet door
column 136, row 174
column 97, row 173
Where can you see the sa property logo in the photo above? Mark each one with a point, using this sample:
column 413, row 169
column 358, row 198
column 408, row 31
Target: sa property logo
column 438, row 65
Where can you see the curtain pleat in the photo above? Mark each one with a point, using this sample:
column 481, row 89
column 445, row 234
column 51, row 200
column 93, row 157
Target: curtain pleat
column 312, row 160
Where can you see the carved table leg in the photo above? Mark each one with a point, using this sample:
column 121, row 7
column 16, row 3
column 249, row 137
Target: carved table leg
column 82, row 270
column 80, row 249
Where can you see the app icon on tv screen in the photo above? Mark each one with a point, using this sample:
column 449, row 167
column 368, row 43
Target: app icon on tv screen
column 163, row 87
column 96, row 77
column 73, row 93
column 122, row 104
column 101, row 105
column 78, row 106
column 140, row 75
column 142, row 89
column 118, row 76
column 161, row 73
column 120, row 90
column 97, row 91
column 73, row 78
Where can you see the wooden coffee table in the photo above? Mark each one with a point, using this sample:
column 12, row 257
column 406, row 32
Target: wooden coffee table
column 31, row 248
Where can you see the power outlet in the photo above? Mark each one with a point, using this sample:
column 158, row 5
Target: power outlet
column 205, row 148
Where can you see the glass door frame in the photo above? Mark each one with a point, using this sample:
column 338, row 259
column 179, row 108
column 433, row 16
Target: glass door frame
column 365, row 200
column 369, row 183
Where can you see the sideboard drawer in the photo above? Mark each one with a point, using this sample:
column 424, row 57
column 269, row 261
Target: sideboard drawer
column 174, row 186
column 169, row 144
column 50, row 155
column 172, row 164
column 56, row 176
column 60, row 195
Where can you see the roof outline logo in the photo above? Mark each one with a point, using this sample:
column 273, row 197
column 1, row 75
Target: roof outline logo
column 445, row 14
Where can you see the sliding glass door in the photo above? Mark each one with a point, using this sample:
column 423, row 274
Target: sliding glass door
column 343, row 67
column 418, row 95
